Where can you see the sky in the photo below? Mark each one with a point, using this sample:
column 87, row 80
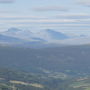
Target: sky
column 68, row 16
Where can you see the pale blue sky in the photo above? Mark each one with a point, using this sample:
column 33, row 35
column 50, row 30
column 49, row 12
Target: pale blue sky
column 70, row 16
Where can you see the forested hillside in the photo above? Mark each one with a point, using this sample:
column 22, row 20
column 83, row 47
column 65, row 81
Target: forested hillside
column 58, row 68
column 70, row 59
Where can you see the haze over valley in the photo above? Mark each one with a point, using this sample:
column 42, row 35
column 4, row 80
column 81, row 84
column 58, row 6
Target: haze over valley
column 44, row 44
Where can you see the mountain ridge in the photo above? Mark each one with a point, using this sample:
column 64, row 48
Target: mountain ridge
column 47, row 37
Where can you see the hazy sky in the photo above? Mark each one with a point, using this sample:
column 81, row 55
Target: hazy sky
column 70, row 16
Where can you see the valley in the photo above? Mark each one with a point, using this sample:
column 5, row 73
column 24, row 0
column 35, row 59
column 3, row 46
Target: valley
column 57, row 68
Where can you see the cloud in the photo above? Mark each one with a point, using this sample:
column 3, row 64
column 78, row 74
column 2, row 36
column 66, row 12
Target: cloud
column 84, row 2
column 21, row 20
column 7, row 1
column 21, row 17
column 52, row 8
column 40, row 21
column 33, row 19
column 64, row 25
column 74, row 16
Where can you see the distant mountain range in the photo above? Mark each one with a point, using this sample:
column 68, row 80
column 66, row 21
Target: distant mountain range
column 44, row 38
column 56, row 35
column 28, row 35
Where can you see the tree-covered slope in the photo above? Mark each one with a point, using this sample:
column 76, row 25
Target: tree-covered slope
column 72, row 59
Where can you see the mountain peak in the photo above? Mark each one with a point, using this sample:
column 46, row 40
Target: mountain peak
column 57, row 35
column 13, row 30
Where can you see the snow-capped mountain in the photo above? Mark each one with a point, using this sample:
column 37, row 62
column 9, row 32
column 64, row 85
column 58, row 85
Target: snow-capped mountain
column 15, row 32
column 56, row 35
column 43, row 37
